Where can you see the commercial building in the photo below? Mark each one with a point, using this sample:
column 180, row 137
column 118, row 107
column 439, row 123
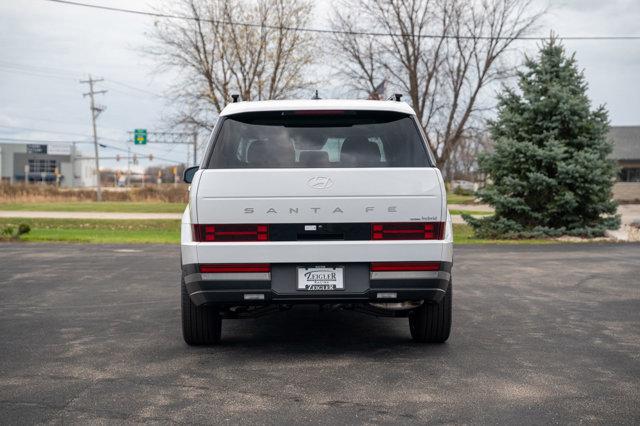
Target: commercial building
column 626, row 152
column 59, row 164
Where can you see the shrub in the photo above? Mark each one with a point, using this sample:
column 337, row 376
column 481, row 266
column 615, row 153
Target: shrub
column 11, row 233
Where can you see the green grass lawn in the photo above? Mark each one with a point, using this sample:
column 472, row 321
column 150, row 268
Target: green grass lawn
column 472, row 212
column 159, row 232
column 99, row 231
column 460, row 199
column 463, row 234
column 92, row 206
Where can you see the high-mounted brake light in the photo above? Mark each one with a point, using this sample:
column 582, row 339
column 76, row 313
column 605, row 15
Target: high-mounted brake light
column 404, row 266
column 220, row 268
column 319, row 112
column 230, row 232
column 407, row 231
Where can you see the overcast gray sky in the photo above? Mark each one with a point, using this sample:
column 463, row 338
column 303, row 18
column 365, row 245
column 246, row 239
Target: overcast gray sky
column 45, row 48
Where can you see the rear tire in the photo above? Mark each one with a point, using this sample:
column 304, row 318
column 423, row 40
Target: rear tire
column 201, row 325
column 431, row 322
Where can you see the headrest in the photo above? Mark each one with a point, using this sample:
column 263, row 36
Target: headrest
column 357, row 150
column 257, row 152
column 314, row 158
column 270, row 153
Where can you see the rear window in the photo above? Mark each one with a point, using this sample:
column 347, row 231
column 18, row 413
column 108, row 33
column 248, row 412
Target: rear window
column 308, row 139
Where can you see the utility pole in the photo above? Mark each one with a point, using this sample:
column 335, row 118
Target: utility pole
column 73, row 165
column 128, row 166
column 95, row 112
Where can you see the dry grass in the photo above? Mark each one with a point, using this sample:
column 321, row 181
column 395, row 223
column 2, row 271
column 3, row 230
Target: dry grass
column 35, row 193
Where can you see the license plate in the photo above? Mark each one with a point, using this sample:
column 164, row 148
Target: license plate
column 321, row 278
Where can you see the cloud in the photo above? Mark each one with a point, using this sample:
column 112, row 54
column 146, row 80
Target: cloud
column 68, row 42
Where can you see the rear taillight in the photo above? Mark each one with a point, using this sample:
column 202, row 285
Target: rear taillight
column 220, row 268
column 407, row 231
column 228, row 232
column 404, row 266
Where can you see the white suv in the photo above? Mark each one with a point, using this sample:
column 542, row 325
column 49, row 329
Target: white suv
column 331, row 202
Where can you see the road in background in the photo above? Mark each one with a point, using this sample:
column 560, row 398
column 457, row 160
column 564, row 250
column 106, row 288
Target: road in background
column 542, row 334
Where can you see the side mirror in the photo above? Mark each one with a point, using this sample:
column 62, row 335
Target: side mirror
column 189, row 172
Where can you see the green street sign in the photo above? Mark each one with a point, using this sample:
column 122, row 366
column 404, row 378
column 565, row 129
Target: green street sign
column 140, row 136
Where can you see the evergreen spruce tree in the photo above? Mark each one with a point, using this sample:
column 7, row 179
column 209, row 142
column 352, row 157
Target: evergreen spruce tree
column 549, row 174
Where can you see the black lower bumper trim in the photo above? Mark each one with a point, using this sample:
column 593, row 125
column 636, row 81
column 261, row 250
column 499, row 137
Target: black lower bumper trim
column 235, row 292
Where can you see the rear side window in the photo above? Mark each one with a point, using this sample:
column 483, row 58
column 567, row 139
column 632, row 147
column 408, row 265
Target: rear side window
column 308, row 139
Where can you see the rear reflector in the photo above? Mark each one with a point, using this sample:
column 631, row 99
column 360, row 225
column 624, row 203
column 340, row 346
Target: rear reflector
column 407, row 231
column 230, row 232
column 254, row 296
column 220, row 268
column 404, row 266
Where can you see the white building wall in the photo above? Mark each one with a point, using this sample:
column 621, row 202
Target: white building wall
column 85, row 171
column 6, row 159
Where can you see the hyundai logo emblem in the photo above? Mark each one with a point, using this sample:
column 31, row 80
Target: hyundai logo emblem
column 320, row 182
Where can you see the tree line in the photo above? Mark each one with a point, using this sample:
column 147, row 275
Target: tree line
column 441, row 54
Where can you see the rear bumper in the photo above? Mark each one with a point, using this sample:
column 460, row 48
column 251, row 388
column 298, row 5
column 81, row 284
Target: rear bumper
column 280, row 286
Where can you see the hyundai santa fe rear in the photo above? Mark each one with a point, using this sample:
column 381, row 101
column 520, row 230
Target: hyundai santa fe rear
column 334, row 203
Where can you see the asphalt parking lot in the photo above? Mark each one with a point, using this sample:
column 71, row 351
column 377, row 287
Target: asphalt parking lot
column 542, row 334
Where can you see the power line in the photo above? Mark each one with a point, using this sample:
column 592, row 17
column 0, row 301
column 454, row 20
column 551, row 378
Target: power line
column 47, row 120
column 174, row 138
column 100, row 144
column 38, row 68
column 100, row 139
column 46, row 131
column 128, row 86
column 60, row 133
column 36, row 140
column 64, row 74
column 126, row 150
column 23, row 72
column 328, row 31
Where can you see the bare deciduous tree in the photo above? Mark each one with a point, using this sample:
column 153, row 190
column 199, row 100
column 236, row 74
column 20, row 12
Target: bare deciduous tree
column 216, row 54
column 463, row 161
column 441, row 53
